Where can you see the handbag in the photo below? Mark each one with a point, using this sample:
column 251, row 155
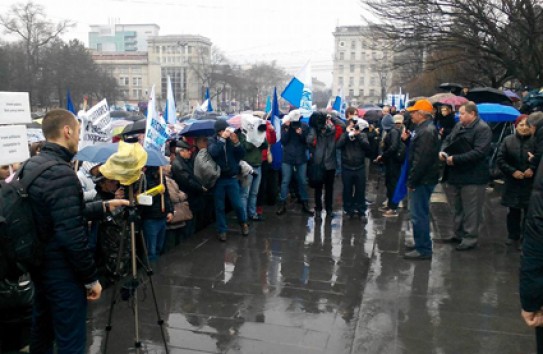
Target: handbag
column 181, row 213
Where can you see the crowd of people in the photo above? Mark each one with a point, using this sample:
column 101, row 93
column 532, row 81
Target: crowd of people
column 233, row 170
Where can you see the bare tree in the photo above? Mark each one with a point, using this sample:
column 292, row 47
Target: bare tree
column 495, row 40
column 28, row 22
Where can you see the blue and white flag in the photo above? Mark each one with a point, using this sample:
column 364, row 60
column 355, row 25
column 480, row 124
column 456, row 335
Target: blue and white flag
column 156, row 132
column 169, row 112
column 276, row 149
column 268, row 104
column 340, row 105
column 299, row 91
column 69, row 104
column 206, row 106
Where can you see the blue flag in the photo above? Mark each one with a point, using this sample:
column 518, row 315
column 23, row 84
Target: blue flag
column 276, row 149
column 268, row 104
column 393, row 100
column 337, row 104
column 69, row 104
column 401, row 188
column 208, row 99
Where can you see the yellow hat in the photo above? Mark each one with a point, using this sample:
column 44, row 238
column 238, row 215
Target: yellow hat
column 125, row 165
column 422, row 105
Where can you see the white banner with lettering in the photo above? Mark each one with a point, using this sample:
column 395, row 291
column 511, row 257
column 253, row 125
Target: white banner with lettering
column 13, row 144
column 14, row 108
column 95, row 125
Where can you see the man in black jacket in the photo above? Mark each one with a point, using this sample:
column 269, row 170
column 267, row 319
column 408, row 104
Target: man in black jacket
column 354, row 148
column 466, row 152
column 422, row 176
column 67, row 278
column 183, row 174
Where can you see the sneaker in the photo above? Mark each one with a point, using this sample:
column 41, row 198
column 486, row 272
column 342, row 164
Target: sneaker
column 385, row 203
column 222, row 236
column 256, row 217
column 369, row 202
column 390, row 213
column 245, row 229
column 383, row 208
column 415, row 255
column 409, row 245
column 466, row 244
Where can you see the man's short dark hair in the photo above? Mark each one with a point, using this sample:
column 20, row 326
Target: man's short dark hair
column 351, row 110
column 471, row 107
column 54, row 121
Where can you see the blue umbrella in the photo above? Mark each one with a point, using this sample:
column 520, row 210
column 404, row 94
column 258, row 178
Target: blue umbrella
column 493, row 112
column 101, row 152
column 199, row 128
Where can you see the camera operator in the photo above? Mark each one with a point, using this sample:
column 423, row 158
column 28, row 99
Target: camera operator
column 67, row 278
column 354, row 146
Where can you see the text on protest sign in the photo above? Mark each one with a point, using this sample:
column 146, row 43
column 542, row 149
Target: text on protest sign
column 14, row 108
column 156, row 135
column 13, row 144
column 96, row 124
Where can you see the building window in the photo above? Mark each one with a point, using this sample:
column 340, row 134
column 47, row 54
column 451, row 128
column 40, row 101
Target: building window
column 361, row 81
column 124, row 81
column 123, row 70
column 136, row 81
column 124, row 93
column 351, row 68
column 353, row 56
column 99, row 47
column 372, row 92
column 361, row 93
column 362, row 68
column 137, row 93
column 340, row 81
column 341, row 56
column 351, row 93
column 341, row 44
column 341, row 68
column 351, row 81
column 372, row 81
column 353, row 45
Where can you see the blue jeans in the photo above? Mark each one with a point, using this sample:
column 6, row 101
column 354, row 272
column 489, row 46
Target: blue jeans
column 154, row 231
column 59, row 314
column 286, row 171
column 227, row 187
column 419, row 207
column 250, row 193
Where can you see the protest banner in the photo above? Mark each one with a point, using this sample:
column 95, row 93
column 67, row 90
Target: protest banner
column 14, row 108
column 156, row 132
column 13, row 144
column 95, row 125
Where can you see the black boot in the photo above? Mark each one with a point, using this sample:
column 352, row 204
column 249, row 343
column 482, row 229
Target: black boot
column 281, row 208
column 306, row 209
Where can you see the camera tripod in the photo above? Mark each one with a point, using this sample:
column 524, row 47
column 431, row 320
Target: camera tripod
column 134, row 282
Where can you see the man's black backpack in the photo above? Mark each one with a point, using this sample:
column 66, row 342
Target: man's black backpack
column 20, row 247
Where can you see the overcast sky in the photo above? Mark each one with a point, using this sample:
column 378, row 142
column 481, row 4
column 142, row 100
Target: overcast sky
column 247, row 31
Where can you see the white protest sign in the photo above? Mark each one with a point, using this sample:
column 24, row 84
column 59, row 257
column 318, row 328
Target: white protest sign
column 156, row 132
column 95, row 125
column 13, row 144
column 14, row 108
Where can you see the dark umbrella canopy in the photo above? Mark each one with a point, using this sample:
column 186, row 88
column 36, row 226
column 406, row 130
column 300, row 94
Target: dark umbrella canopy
column 101, row 152
column 199, row 128
column 488, row 95
column 451, row 87
column 138, row 127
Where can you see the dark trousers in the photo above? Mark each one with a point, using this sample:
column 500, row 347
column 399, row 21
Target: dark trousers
column 468, row 209
column 269, row 186
column 328, row 184
column 393, row 170
column 354, row 190
column 515, row 222
column 59, row 315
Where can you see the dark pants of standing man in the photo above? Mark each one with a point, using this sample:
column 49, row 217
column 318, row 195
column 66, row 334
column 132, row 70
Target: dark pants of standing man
column 515, row 222
column 393, row 170
column 419, row 208
column 468, row 210
column 354, row 190
column 328, row 184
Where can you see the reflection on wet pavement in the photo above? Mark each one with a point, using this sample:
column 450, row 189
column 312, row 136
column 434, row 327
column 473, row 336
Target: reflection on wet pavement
column 334, row 285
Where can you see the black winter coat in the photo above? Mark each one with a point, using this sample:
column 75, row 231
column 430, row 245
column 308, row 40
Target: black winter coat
column 470, row 167
column 294, row 145
column 513, row 156
column 353, row 152
column 226, row 155
column 424, row 156
column 183, row 175
column 154, row 211
column 59, row 215
column 391, row 146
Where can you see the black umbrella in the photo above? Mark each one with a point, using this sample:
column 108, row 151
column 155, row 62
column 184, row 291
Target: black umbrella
column 199, row 128
column 133, row 116
column 138, row 127
column 488, row 95
column 451, row 87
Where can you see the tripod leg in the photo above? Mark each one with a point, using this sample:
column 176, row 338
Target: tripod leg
column 115, row 286
column 137, row 342
column 147, row 265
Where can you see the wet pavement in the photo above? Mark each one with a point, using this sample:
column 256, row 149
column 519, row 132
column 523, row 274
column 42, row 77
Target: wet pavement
column 300, row 285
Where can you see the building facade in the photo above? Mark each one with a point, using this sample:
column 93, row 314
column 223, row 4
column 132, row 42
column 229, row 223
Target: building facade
column 186, row 59
column 362, row 66
column 116, row 37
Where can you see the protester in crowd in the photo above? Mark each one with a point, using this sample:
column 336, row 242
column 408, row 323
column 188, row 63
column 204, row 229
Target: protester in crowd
column 535, row 120
column 322, row 138
column 183, row 174
column 445, row 121
column 155, row 216
column 293, row 139
column 86, row 173
column 35, row 148
column 423, row 175
column 392, row 157
column 4, row 172
column 253, row 140
column 466, row 153
column 267, row 193
column 67, row 278
column 225, row 148
column 512, row 160
column 354, row 147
